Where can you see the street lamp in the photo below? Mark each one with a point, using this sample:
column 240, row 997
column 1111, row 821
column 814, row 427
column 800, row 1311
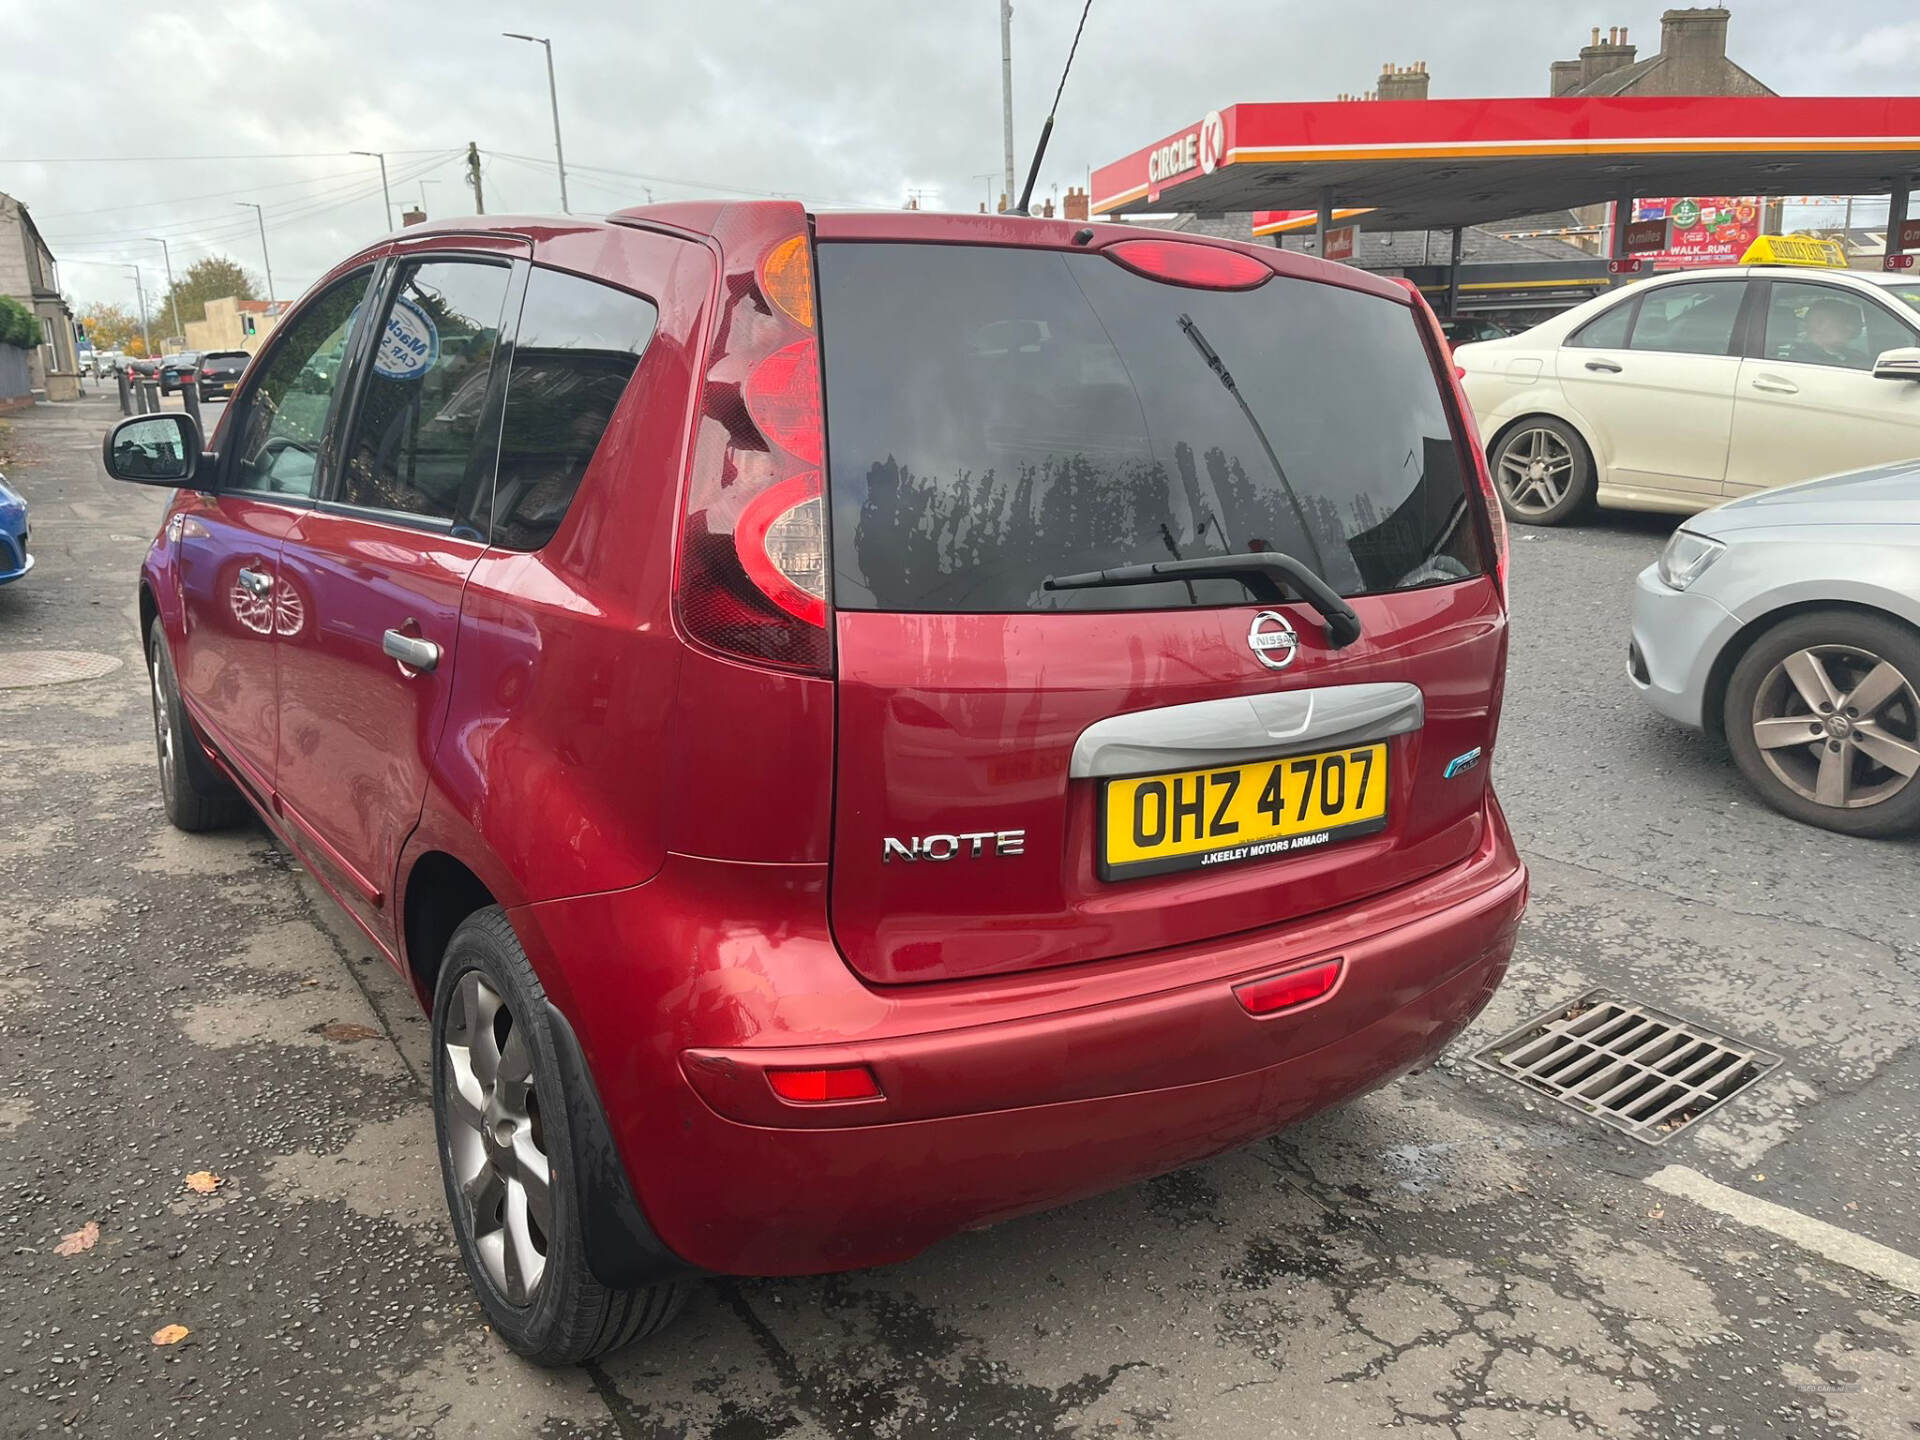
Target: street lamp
column 261, row 216
column 146, row 337
column 178, row 329
column 384, row 193
column 553, row 95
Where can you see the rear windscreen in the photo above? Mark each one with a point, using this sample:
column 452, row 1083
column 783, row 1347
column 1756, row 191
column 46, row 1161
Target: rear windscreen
column 996, row 416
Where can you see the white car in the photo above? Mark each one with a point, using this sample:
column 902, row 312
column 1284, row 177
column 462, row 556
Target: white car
column 1685, row 390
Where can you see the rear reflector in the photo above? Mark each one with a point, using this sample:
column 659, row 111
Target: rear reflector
column 1291, row 988
column 845, row 1082
column 1208, row 267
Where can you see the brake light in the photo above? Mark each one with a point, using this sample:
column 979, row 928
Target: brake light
column 1181, row 262
column 1289, row 989
column 842, row 1082
column 752, row 577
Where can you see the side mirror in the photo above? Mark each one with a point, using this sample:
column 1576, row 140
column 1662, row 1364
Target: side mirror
column 1901, row 364
column 156, row 450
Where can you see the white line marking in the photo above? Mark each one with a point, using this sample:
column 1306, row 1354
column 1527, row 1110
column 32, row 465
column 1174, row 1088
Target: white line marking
column 1843, row 1247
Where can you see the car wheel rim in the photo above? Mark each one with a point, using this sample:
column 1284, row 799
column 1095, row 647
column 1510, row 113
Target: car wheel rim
column 496, row 1139
column 1535, row 470
column 1839, row 726
column 162, row 726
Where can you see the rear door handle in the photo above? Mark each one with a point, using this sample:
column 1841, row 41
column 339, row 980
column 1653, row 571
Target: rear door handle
column 410, row 650
column 1775, row 384
column 1606, row 365
column 255, row 583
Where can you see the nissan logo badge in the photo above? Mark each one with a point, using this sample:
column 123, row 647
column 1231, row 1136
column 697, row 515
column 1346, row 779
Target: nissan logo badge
column 1272, row 640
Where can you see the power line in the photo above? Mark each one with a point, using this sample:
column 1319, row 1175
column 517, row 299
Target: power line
column 575, row 165
column 189, row 199
column 148, row 159
column 299, row 207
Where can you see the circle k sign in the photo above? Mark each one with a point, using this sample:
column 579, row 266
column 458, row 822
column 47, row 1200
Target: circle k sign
column 1213, row 142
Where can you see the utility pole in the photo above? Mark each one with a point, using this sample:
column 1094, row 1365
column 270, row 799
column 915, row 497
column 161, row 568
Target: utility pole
column 473, row 177
column 385, row 194
column 553, row 96
column 1006, row 88
column 146, row 336
column 178, row 328
column 261, row 216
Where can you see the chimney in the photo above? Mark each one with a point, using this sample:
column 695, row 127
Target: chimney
column 1563, row 75
column 1403, row 82
column 1074, row 205
column 414, row 215
column 1602, row 57
column 1694, row 34
column 1046, row 208
column 1003, row 204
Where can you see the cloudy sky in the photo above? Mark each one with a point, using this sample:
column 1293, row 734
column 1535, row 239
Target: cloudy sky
column 837, row 101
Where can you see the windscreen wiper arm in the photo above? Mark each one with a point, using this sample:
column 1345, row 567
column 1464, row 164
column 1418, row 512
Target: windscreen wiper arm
column 1225, row 377
column 1268, row 573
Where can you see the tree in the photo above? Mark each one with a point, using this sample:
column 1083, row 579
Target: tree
column 110, row 326
column 18, row 325
column 210, row 279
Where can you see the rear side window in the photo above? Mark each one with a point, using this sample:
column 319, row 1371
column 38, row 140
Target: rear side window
column 1609, row 331
column 576, row 348
column 1694, row 319
column 996, row 416
column 416, row 447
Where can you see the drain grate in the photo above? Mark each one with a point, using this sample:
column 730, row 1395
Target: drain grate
column 1637, row 1069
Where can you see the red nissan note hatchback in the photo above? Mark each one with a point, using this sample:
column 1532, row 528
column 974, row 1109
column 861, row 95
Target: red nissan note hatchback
column 855, row 726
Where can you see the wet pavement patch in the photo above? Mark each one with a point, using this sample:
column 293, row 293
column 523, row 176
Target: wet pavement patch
column 1641, row 1071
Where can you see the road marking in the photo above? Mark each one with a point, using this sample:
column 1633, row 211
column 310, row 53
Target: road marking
column 1843, row 1247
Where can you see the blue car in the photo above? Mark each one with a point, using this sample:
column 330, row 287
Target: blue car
column 14, row 559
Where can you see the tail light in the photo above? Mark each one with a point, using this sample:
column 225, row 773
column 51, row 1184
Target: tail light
column 752, row 578
column 841, row 1082
column 1496, row 517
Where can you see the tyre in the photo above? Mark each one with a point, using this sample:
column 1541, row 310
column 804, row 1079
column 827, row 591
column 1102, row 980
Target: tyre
column 197, row 796
column 1543, row 471
column 507, row 1159
column 1823, row 717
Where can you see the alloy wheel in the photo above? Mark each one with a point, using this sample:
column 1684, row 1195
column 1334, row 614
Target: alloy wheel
column 1536, row 470
column 162, row 725
column 1839, row 726
column 496, row 1139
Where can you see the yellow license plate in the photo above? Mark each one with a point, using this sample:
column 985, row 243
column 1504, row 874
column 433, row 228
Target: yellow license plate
column 1156, row 824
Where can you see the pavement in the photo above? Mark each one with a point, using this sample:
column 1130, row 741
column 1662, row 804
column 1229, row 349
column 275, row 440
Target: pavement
column 1451, row 1253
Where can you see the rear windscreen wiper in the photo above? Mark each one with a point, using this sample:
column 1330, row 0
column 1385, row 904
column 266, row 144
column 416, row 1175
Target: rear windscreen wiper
column 1225, row 377
column 1269, row 574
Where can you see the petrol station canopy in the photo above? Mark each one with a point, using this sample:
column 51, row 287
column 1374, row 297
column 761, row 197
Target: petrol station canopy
column 1437, row 164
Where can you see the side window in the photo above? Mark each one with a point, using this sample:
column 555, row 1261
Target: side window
column 415, row 447
column 1825, row 325
column 1694, row 319
column 576, row 348
column 1608, row 330
column 285, row 411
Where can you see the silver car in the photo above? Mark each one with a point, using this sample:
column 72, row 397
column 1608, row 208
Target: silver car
column 1789, row 623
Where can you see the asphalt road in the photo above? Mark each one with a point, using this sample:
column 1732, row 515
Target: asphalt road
column 1448, row 1253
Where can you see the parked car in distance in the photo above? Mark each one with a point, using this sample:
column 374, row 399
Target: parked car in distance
column 1684, row 390
column 1469, row 329
column 756, row 903
column 179, row 371
column 219, row 371
column 15, row 561
column 1789, row 623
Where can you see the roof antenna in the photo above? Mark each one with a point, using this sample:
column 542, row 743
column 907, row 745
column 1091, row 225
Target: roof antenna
column 1046, row 130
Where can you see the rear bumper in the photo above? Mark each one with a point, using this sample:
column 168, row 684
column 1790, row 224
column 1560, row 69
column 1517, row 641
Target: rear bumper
column 1001, row 1097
